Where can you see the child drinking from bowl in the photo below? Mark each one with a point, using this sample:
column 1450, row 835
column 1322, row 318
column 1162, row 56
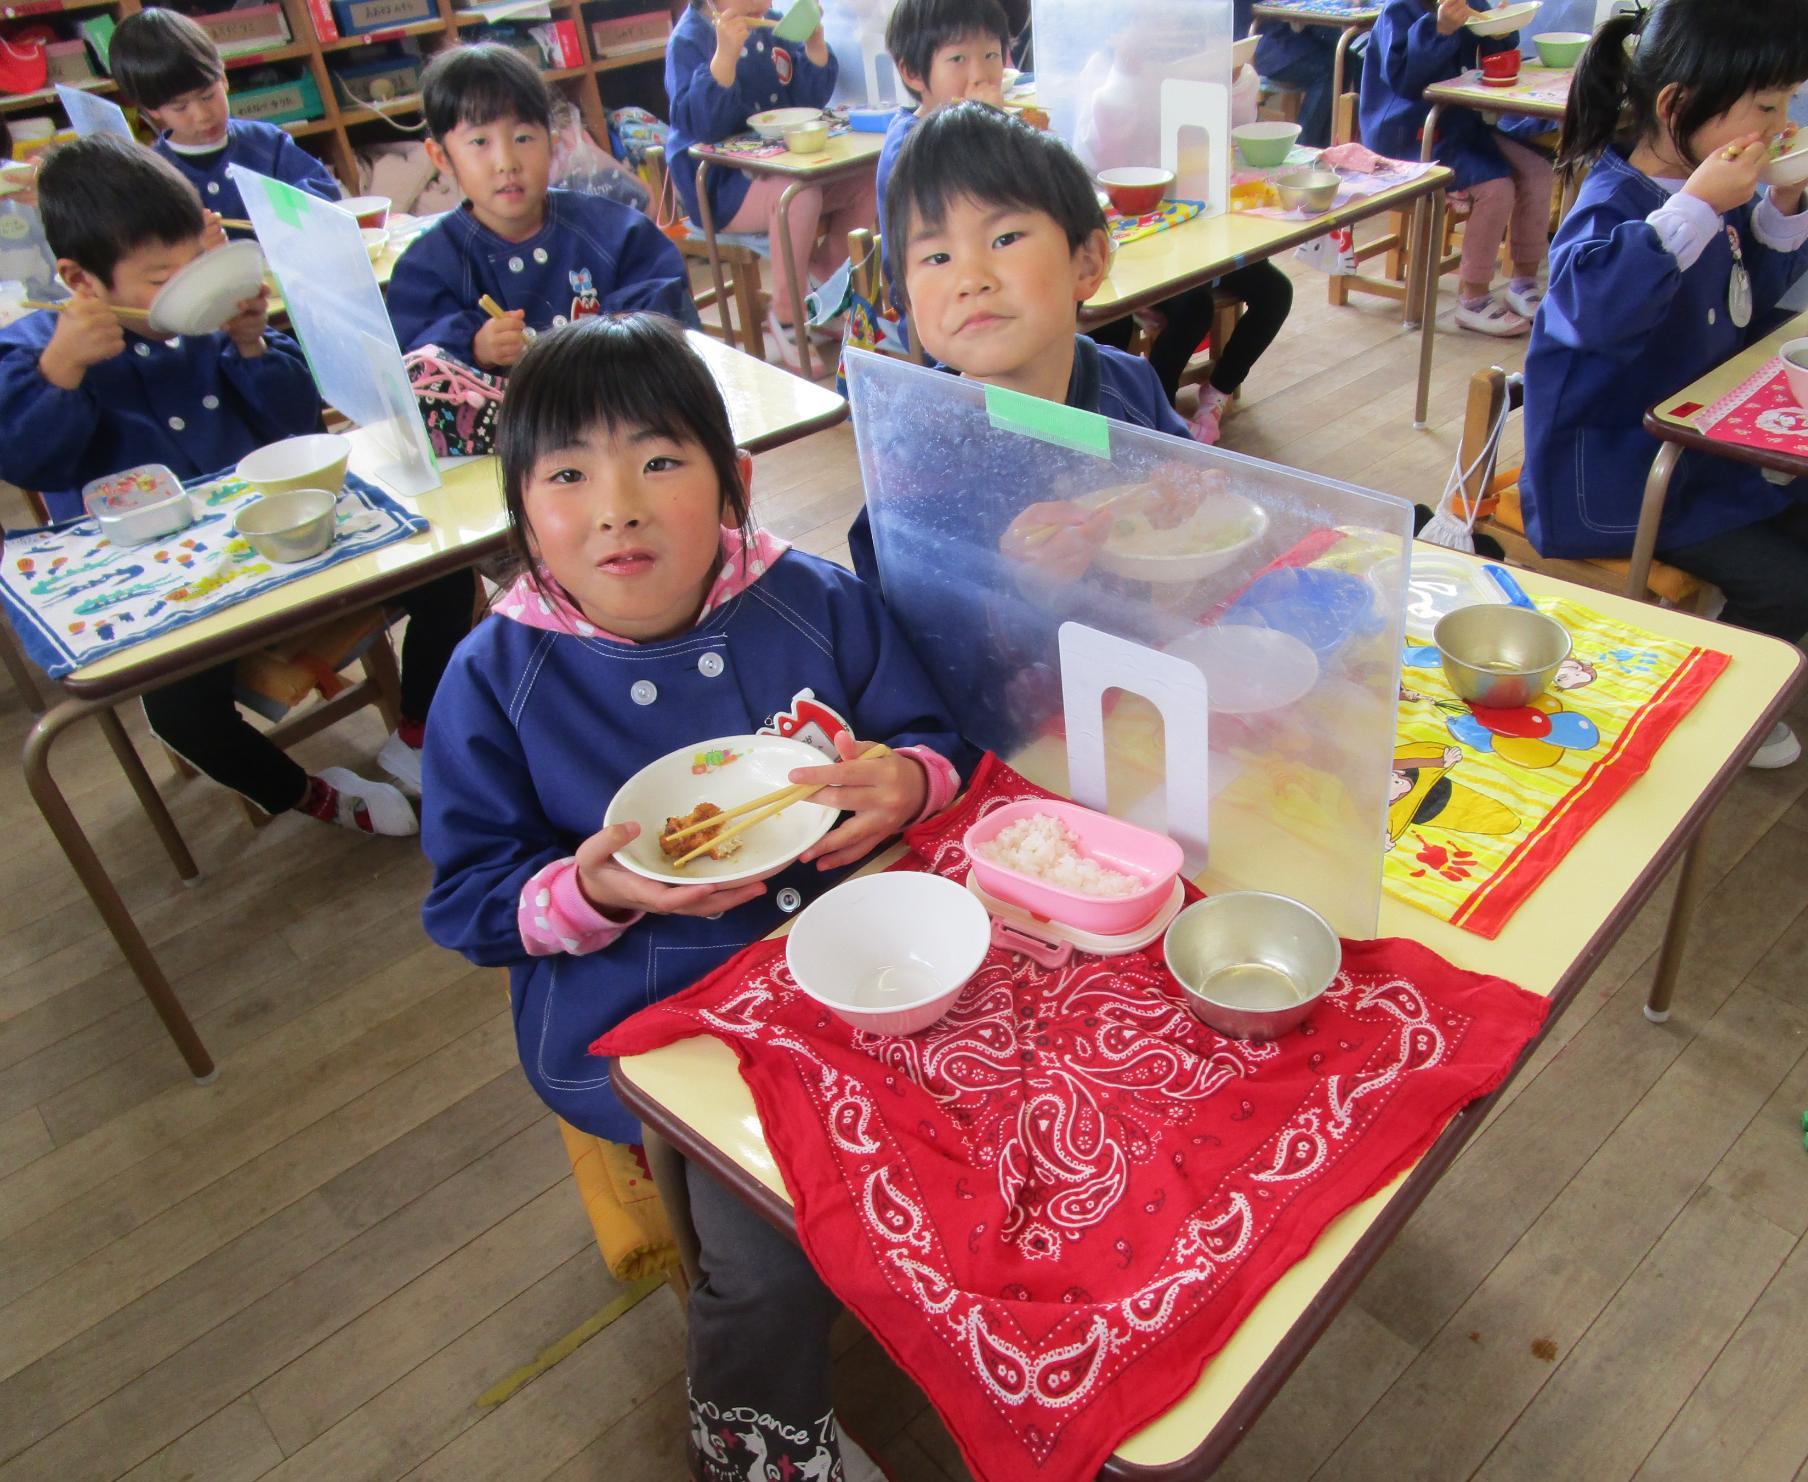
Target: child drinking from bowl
column 1416, row 43
column 1669, row 263
column 85, row 393
column 545, row 256
column 721, row 68
column 170, row 68
column 651, row 614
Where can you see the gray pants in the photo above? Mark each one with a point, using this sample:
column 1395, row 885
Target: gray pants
column 757, row 1355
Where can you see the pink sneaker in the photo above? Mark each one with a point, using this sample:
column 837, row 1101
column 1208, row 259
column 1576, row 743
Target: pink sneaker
column 1205, row 425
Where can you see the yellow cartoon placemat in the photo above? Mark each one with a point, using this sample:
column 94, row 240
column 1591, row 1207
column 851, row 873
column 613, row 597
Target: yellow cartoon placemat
column 1485, row 802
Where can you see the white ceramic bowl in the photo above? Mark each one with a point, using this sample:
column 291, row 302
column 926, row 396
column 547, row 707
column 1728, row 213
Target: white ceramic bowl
column 315, row 460
column 747, row 767
column 1502, row 20
column 1788, row 169
column 774, row 121
column 370, row 210
column 1794, row 355
column 207, row 291
column 889, row 953
column 1223, row 527
column 291, row 527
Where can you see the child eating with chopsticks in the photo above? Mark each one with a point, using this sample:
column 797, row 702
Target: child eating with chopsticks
column 651, row 615
column 170, row 68
column 539, row 257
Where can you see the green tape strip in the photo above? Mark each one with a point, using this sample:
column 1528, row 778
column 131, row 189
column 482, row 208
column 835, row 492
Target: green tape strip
column 1049, row 421
column 285, row 200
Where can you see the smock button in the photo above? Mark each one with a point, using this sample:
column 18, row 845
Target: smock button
column 775, row 97
column 540, row 255
column 176, row 424
column 213, row 187
column 759, row 46
column 142, row 348
column 211, row 402
column 516, row 265
column 1712, row 316
column 788, row 899
column 643, row 692
column 710, row 666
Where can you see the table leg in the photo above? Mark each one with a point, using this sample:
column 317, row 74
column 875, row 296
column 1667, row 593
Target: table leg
column 715, row 253
column 666, row 1164
column 1676, row 932
column 148, row 797
column 1651, row 515
column 95, row 880
column 1428, row 311
column 799, row 327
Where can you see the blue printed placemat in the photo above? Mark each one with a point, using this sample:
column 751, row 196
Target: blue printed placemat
column 74, row 597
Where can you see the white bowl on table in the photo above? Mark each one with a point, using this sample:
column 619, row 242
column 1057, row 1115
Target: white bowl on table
column 771, row 124
column 1500, row 22
column 889, row 953
column 1794, row 355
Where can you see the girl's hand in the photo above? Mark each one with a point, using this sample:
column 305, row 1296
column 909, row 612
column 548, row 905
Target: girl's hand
column 817, row 49
column 1728, row 177
column 501, row 342
column 731, row 35
column 1066, row 555
column 1453, row 15
column 883, row 794
column 619, row 892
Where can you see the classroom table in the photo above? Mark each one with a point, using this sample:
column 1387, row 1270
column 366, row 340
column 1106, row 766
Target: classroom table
column 1351, row 21
column 691, row 1099
column 767, row 408
column 1153, row 268
column 1541, row 92
column 844, row 155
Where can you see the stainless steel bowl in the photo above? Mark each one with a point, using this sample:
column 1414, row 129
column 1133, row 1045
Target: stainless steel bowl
column 1252, row 964
column 1307, row 190
column 289, row 527
column 1500, row 656
column 810, row 138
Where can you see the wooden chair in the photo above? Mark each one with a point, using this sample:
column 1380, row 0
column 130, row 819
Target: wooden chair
column 1642, row 578
column 739, row 285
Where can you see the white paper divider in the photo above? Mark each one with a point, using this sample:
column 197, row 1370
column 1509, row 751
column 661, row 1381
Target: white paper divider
column 89, row 114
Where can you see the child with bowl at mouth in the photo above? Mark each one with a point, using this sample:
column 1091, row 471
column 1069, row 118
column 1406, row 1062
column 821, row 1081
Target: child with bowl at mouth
column 545, row 256
column 721, row 68
column 651, row 614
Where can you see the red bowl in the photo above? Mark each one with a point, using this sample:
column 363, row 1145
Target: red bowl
column 1135, row 189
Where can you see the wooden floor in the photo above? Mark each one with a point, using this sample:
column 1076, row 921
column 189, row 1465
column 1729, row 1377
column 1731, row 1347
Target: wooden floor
column 323, row 1265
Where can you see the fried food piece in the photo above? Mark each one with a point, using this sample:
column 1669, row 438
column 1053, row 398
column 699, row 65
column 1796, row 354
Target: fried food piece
column 677, row 848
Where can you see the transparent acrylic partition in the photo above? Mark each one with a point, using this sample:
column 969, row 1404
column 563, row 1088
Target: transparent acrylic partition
column 855, row 31
column 1284, row 591
column 1141, row 82
column 330, row 292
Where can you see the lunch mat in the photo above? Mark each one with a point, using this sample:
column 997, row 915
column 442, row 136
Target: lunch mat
column 1342, row 9
column 1056, row 1203
column 74, row 597
column 1535, row 85
column 1760, row 412
column 1168, row 213
column 1484, row 803
column 751, row 146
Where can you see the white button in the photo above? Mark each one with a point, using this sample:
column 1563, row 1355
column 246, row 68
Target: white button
column 644, row 692
column 176, row 424
column 788, row 899
column 759, row 46
column 743, row 51
column 1711, row 316
column 775, row 97
column 710, row 665
column 213, row 187
column 142, row 348
column 540, row 255
column 212, row 403
column 516, row 265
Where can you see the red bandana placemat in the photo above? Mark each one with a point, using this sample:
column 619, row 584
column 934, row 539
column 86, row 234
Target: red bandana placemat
column 1055, row 1204
column 1760, row 412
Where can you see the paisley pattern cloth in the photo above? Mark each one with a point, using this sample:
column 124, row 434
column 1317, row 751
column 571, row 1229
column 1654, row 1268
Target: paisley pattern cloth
column 1055, row 1204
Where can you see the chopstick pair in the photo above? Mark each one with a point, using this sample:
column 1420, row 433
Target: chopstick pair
column 758, row 810
column 237, row 224
column 57, row 308
column 1049, row 532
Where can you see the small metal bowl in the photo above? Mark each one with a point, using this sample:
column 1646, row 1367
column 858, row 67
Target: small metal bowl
column 1252, row 964
column 1307, row 190
column 810, row 138
column 291, row 527
column 1498, row 656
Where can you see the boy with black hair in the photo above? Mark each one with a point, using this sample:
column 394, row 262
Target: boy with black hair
column 83, row 395
column 170, row 68
column 547, row 256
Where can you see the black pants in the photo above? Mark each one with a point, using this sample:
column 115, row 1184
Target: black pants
column 1267, row 295
column 198, row 719
column 757, row 1353
column 1762, row 568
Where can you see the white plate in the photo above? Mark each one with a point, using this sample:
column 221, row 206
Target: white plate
column 1438, row 583
column 1222, row 528
column 774, row 121
column 1243, row 52
column 207, row 292
column 1499, row 22
column 1248, row 670
column 671, row 787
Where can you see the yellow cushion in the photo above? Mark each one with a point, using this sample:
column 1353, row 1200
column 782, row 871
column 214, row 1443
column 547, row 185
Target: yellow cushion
column 1668, row 582
column 624, row 1208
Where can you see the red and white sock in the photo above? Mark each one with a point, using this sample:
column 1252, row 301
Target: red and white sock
column 338, row 796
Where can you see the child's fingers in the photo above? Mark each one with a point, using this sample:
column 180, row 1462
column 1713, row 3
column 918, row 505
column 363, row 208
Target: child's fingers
column 852, row 841
column 605, row 844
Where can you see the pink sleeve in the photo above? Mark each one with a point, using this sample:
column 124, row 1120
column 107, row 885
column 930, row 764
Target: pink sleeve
column 554, row 917
column 939, row 773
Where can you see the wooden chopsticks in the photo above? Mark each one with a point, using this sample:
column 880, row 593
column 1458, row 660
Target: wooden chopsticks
column 57, row 308
column 492, row 308
column 758, row 810
column 237, row 224
column 1049, row 532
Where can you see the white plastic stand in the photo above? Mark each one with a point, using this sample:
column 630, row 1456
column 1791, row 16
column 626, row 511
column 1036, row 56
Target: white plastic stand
column 1202, row 108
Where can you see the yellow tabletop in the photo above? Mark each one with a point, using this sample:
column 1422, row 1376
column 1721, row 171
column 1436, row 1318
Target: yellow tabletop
column 466, row 524
column 1152, row 268
column 696, row 1079
column 1304, row 14
column 1541, row 92
column 842, row 152
column 1725, row 377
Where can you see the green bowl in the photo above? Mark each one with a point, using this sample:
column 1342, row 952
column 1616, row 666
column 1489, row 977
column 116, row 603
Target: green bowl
column 1561, row 48
column 1265, row 145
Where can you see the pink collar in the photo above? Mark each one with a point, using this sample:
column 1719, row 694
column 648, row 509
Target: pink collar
column 540, row 604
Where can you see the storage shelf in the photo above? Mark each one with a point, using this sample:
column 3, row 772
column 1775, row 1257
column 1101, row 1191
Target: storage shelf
column 12, row 102
column 48, row 7
column 286, row 51
column 377, row 38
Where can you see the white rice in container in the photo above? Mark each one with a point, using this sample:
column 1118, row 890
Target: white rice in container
column 1044, row 848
